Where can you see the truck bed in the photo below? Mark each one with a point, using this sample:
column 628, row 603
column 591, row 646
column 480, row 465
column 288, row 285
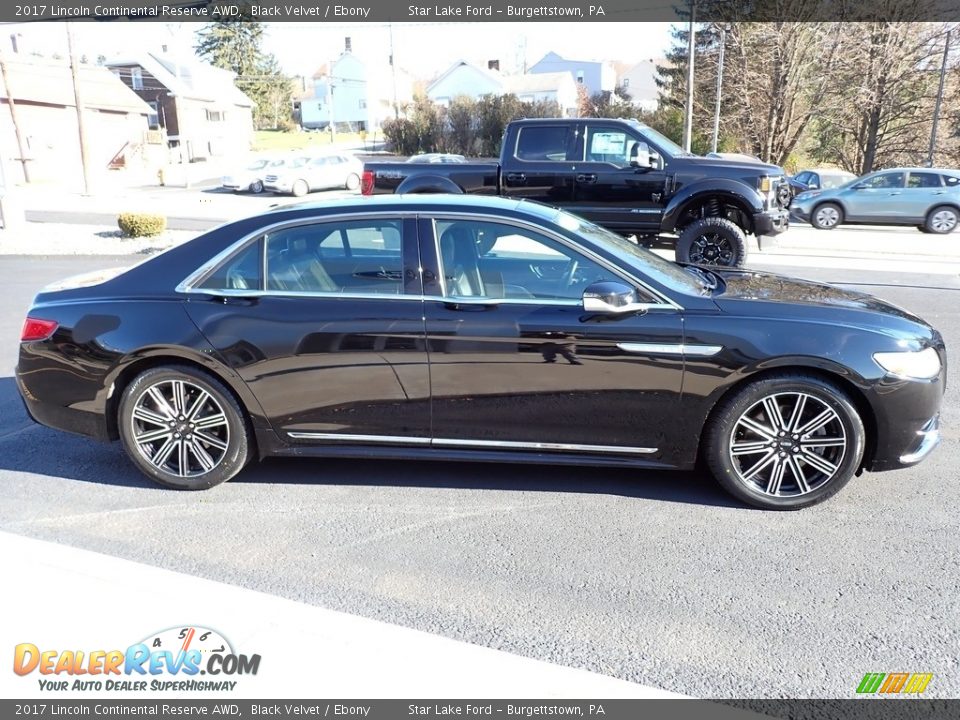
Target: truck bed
column 475, row 178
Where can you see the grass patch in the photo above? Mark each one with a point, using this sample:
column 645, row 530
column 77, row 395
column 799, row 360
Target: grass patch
column 280, row 141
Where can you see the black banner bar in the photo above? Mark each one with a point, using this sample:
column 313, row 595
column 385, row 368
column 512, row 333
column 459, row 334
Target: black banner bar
column 874, row 709
column 390, row 11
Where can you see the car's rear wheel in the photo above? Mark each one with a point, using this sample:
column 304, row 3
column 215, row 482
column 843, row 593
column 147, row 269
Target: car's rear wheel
column 712, row 241
column 826, row 216
column 256, row 187
column 942, row 220
column 300, row 188
column 183, row 428
column 785, row 442
column 353, row 181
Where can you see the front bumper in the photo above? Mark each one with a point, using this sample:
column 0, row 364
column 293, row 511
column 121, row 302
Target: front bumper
column 771, row 222
column 928, row 437
column 799, row 214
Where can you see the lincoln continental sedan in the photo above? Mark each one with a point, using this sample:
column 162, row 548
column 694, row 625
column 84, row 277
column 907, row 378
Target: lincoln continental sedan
column 479, row 329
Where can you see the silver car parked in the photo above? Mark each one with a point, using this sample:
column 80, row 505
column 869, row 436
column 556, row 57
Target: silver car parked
column 318, row 172
column 928, row 198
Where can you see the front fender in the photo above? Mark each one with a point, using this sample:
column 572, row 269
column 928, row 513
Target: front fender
column 428, row 184
column 735, row 191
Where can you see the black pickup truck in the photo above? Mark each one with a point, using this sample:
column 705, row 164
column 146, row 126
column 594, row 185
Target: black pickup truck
column 620, row 174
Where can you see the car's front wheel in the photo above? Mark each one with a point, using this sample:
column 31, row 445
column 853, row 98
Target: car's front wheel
column 942, row 220
column 183, row 428
column 712, row 241
column 785, row 442
column 826, row 216
column 300, row 188
column 353, row 181
column 256, row 187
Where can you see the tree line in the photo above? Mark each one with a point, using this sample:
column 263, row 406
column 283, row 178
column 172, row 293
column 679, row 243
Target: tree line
column 859, row 96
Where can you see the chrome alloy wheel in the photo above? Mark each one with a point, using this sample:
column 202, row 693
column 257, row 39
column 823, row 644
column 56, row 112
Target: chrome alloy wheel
column 179, row 428
column 787, row 444
column 943, row 221
column 827, row 216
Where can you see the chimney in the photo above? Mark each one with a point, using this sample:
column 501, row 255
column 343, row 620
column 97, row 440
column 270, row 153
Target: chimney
column 493, row 64
column 16, row 40
column 347, row 45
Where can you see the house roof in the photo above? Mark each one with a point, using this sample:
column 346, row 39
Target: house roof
column 536, row 82
column 190, row 79
column 51, row 83
column 494, row 75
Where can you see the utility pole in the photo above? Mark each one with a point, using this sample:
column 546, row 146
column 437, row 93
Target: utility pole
column 78, row 102
column 333, row 130
column 716, row 109
column 936, row 108
column 17, row 127
column 688, row 119
column 393, row 70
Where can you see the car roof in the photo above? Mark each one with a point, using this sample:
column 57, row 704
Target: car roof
column 418, row 201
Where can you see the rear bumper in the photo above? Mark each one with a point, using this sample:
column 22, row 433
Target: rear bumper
column 771, row 222
column 60, row 417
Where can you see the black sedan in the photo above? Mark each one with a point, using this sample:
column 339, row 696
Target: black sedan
column 461, row 327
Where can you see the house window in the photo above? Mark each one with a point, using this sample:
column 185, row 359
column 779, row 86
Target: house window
column 626, row 83
column 215, row 116
column 580, row 76
column 363, row 104
column 153, row 119
column 136, row 76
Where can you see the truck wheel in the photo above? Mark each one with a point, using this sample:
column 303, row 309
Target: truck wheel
column 712, row 241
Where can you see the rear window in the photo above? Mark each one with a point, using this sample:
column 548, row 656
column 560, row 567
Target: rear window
column 543, row 142
column 923, row 180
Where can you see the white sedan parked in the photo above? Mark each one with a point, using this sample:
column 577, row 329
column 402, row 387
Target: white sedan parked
column 316, row 172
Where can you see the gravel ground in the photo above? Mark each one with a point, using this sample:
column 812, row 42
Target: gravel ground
column 68, row 239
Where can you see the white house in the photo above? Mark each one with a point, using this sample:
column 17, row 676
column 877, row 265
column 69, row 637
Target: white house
column 463, row 79
column 595, row 75
column 354, row 94
column 640, row 83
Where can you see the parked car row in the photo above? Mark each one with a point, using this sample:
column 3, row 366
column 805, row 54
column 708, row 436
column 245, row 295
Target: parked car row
column 928, row 198
column 297, row 174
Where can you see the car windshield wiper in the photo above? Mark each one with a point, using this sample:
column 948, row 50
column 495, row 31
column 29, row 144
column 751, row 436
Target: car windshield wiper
column 708, row 279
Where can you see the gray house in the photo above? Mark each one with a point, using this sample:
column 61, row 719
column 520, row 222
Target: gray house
column 595, row 75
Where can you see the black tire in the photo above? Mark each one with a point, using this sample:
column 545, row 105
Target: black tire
column 826, row 216
column 942, row 220
column 300, row 188
column 762, row 488
column 712, row 241
column 353, row 181
column 233, row 432
column 922, row 229
column 256, row 187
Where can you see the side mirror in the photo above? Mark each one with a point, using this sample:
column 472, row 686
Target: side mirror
column 813, row 186
column 640, row 156
column 860, row 186
column 610, row 298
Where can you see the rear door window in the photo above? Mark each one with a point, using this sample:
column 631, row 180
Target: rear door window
column 923, row 180
column 548, row 143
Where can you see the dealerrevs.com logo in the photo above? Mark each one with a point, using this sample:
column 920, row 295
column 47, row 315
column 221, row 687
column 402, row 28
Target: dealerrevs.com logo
column 172, row 659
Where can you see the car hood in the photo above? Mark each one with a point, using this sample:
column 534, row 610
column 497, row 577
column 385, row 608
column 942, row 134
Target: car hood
column 755, row 168
column 778, row 292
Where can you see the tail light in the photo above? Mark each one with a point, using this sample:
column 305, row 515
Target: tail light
column 35, row 329
column 366, row 183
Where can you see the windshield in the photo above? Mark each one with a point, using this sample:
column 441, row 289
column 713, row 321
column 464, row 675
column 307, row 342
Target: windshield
column 655, row 267
column 665, row 143
column 257, row 165
column 828, row 181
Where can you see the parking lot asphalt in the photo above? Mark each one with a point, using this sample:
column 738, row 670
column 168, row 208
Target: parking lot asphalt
column 657, row 578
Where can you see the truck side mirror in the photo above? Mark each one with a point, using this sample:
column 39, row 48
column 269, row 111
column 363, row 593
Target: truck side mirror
column 640, row 156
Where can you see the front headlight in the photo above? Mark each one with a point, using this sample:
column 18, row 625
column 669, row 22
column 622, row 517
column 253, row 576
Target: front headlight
column 922, row 365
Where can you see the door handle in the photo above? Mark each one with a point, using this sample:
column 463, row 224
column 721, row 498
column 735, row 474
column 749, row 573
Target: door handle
column 472, row 306
column 586, row 178
column 895, row 193
column 515, row 177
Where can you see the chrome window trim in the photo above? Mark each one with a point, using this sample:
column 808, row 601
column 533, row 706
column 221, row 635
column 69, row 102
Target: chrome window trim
column 466, row 442
column 670, row 349
column 666, row 304
column 188, row 284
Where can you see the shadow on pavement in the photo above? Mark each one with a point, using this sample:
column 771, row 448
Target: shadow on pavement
column 28, row 447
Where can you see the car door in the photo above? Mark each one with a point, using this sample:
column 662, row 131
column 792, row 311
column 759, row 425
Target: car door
column 323, row 319
column 609, row 187
column 876, row 198
column 539, row 166
column 924, row 190
column 516, row 363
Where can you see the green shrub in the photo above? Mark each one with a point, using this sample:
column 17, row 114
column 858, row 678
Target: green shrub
column 141, row 224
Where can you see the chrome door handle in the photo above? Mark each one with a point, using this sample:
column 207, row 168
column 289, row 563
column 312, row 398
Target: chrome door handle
column 516, row 177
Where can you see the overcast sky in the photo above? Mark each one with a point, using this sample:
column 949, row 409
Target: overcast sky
column 425, row 49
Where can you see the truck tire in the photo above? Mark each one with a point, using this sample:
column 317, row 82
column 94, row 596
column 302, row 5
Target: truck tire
column 712, row 241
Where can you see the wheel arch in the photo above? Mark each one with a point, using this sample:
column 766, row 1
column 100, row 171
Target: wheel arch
column 428, row 184
column 823, row 369
column 134, row 365
column 747, row 200
column 952, row 205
